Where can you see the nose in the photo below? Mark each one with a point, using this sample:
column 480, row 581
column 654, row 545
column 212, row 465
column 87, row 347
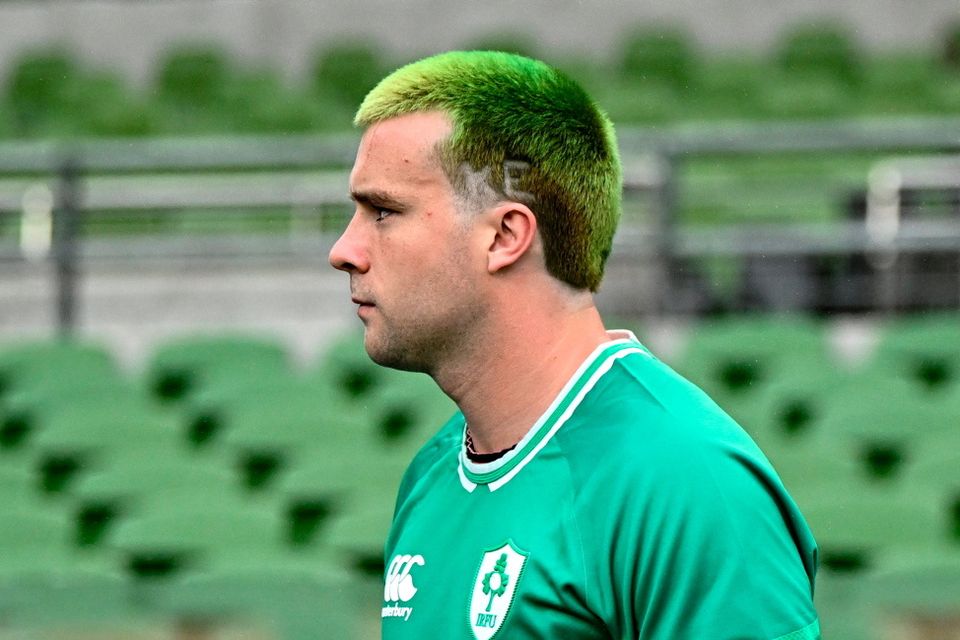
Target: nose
column 348, row 252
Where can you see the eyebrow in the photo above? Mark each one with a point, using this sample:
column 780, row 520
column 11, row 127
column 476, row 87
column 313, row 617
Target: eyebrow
column 376, row 199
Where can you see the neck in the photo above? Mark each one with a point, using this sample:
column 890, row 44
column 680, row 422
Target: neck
column 517, row 366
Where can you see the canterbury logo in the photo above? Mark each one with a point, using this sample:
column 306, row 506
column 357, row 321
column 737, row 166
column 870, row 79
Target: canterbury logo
column 398, row 586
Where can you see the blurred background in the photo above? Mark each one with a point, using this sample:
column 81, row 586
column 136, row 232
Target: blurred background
column 193, row 444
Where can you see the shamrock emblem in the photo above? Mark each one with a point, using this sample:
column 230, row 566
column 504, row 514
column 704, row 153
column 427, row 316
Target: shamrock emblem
column 495, row 582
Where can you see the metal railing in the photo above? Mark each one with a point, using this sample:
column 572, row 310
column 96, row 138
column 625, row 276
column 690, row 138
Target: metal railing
column 49, row 191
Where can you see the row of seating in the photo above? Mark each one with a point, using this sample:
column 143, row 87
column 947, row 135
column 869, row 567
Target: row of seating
column 224, row 470
column 818, row 71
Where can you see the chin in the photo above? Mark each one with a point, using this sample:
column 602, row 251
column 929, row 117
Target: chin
column 393, row 357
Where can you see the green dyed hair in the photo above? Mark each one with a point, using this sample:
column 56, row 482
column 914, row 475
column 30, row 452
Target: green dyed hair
column 509, row 111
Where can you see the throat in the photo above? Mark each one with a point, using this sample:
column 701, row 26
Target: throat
column 482, row 458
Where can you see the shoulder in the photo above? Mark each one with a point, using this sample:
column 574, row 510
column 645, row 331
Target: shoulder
column 650, row 453
column 641, row 414
column 679, row 497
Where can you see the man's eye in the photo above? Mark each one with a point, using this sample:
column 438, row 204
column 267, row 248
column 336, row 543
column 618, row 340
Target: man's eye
column 382, row 213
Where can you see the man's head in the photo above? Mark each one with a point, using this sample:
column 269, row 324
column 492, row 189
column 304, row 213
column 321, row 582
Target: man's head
column 473, row 165
column 526, row 132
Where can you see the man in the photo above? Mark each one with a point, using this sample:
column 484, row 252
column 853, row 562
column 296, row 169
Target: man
column 583, row 490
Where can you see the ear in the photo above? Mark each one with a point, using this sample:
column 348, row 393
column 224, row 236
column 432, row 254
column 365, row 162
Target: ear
column 515, row 229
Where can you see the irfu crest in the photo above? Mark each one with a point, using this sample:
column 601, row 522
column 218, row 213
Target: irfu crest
column 494, row 589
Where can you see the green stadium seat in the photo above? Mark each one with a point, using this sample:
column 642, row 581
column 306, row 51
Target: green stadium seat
column 290, row 602
column 278, row 111
column 936, row 462
column 409, row 410
column 38, row 88
column 665, row 54
column 923, row 348
column 917, row 584
column 946, row 94
column 29, row 411
column 81, row 599
column 92, row 423
column 208, row 410
column 193, row 75
column 120, row 115
column 881, row 420
column 325, row 484
column 739, row 356
column 56, row 365
column 346, row 367
column 346, row 71
column 77, row 436
column 729, row 88
column 266, row 431
column 357, row 537
column 823, row 50
column 105, row 495
column 817, row 97
column 641, row 102
column 33, row 542
column 189, row 537
column 814, row 466
column 19, row 487
column 900, row 84
column 789, row 409
column 854, row 524
column 185, row 365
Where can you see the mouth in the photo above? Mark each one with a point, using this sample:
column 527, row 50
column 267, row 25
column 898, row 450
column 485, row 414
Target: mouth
column 363, row 307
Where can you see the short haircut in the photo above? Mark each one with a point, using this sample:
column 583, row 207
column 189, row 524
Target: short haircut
column 533, row 133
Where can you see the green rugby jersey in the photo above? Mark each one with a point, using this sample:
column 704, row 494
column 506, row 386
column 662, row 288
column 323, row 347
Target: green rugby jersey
column 633, row 508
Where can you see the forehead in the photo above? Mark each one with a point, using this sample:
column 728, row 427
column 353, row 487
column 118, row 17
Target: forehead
column 400, row 151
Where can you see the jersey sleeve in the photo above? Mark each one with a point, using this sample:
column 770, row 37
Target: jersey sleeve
column 693, row 536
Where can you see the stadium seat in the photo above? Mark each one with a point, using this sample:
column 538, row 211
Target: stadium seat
column 881, row 420
column 346, row 71
column 409, row 410
column 663, row 54
column 119, row 488
column 917, row 584
column 184, row 365
column 208, row 410
column 346, row 367
column 19, row 487
column 33, row 541
column 791, row 97
column 290, row 602
column 55, row 365
column 184, row 538
column 29, row 411
column 823, row 50
column 38, row 88
column 266, row 431
column 324, row 484
column 77, row 435
column 193, row 74
column 789, row 409
column 854, row 524
column 357, row 537
column 739, row 356
column 897, row 84
column 923, row 348
column 79, row 598
column 814, row 466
